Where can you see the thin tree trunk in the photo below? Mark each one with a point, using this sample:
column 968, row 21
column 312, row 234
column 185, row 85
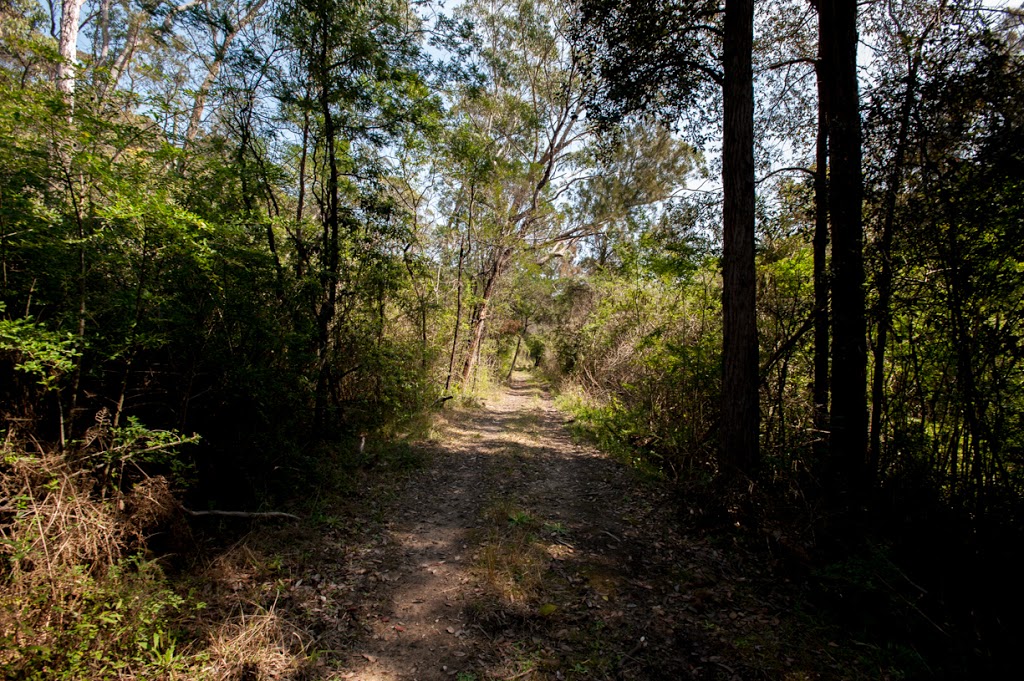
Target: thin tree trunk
column 83, row 272
column 883, row 312
column 199, row 103
column 519, row 343
column 479, row 322
column 329, row 276
column 821, row 284
column 458, row 319
column 140, row 290
column 101, row 56
column 124, row 59
column 300, row 246
column 219, row 55
column 740, row 421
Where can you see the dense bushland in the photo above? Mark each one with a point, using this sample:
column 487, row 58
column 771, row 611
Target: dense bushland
column 240, row 240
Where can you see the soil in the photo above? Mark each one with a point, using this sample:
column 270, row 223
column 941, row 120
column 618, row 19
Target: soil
column 515, row 552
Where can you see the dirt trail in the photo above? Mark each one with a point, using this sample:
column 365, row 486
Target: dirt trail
column 519, row 554
column 514, row 553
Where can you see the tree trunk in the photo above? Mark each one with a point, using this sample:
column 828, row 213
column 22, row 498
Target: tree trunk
column 838, row 37
column 821, row 284
column 458, row 319
column 219, row 55
column 104, row 49
column 123, row 59
column 331, row 226
column 68, row 47
column 199, row 103
column 741, row 416
column 479, row 322
column 883, row 313
column 519, row 344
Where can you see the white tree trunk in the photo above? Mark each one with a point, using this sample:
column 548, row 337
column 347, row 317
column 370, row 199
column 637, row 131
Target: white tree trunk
column 68, row 45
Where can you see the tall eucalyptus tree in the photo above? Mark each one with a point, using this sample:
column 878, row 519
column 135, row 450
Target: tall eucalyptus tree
column 521, row 124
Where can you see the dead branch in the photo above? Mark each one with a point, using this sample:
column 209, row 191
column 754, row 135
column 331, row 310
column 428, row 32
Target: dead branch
column 241, row 514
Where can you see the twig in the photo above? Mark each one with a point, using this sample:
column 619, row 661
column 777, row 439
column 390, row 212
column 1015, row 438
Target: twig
column 904, row 576
column 642, row 643
column 726, row 667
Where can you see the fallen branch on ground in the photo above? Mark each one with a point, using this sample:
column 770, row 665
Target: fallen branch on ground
column 241, row 514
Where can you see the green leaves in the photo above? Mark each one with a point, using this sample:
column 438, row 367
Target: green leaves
column 37, row 351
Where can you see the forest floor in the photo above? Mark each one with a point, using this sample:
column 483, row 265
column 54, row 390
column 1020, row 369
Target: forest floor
column 512, row 552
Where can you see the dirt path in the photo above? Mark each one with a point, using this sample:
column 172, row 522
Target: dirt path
column 515, row 553
column 519, row 554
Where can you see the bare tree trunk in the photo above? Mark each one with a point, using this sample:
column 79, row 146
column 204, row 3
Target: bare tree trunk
column 821, row 283
column 101, row 56
column 849, row 348
column 458, row 319
column 519, row 344
column 479, row 322
column 124, row 59
column 68, row 47
column 740, row 421
column 219, row 55
column 199, row 103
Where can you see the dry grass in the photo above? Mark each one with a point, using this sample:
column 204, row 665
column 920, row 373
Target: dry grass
column 50, row 522
column 75, row 602
column 511, row 559
column 257, row 646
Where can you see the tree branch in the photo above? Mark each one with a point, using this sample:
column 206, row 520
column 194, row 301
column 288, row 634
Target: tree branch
column 241, row 514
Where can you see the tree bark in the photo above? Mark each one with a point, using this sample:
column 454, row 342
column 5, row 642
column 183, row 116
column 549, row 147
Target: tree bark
column 821, row 283
column 479, row 321
column 741, row 416
column 848, row 442
column 68, row 46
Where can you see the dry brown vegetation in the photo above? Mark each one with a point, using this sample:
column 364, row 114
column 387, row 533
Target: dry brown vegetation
column 78, row 598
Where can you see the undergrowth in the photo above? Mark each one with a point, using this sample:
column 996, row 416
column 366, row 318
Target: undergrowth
column 614, row 430
column 78, row 598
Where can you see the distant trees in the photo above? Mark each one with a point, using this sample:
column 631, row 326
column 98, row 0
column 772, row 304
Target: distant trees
column 511, row 140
